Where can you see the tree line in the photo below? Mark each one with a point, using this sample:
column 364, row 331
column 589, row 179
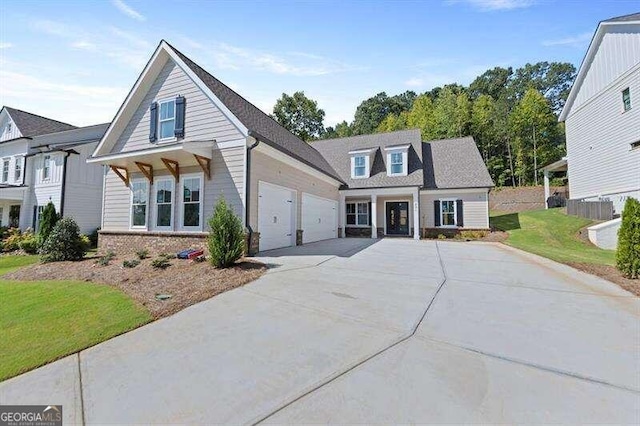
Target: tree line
column 512, row 115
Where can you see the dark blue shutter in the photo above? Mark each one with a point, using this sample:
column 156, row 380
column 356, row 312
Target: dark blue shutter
column 459, row 214
column 436, row 213
column 153, row 122
column 180, row 108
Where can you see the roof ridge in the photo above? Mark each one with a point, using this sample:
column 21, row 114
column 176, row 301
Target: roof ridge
column 367, row 135
column 621, row 17
column 38, row 115
column 449, row 139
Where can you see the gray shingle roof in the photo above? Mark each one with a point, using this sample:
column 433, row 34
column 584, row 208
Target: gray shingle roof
column 336, row 151
column 259, row 122
column 34, row 125
column 625, row 18
column 454, row 163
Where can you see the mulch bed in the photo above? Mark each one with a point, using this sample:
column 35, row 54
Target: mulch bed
column 495, row 236
column 186, row 281
column 609, row 273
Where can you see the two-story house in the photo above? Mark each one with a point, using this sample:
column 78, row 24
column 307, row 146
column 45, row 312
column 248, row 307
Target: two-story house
column 182, row 139
column 43, row 160
column 602, row 117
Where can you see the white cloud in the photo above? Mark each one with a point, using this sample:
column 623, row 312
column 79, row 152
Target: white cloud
column 431, row 77
column 50, row 27
column 128, row 10
column 5, row 45
column 578, row 41
column 491, row 5
column 83, row 45
column 130, row 37
column 415, row 82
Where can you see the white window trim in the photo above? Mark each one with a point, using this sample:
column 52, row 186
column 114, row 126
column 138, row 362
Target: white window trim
column 155, row 203
column 409, row 214
column 7, row 169
column 19, row 162
column 455, row 213
column 181, row 215
column 171, row 138
column 146, row 212
column 367, row 169
column 357, row 225
column 630, row 101
column 404, row 150
column 42, row 176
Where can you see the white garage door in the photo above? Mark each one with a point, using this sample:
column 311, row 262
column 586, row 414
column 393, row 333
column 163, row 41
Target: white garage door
column 276, row 206
column 319, row 218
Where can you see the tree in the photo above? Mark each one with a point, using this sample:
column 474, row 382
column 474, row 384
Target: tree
column 393, row 122
column 445, row 114
column 300, row 115
column 226, row 237
column 64, row 242
column 492, row 83
column 341, row 130
column 422, row 117
column 372, row 111
column 553, row 80
column 48, row 219
column 535, row 129
column 628, row 251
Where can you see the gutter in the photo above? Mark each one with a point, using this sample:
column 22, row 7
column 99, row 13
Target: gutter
column 248, row 192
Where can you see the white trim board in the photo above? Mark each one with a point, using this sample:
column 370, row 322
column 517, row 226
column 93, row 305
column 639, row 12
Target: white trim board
column 366, row 192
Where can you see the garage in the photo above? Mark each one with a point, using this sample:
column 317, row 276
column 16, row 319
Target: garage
column 276, row 216
column 319, row 218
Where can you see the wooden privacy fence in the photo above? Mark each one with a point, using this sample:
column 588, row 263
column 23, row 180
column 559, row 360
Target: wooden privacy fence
column 594, row 210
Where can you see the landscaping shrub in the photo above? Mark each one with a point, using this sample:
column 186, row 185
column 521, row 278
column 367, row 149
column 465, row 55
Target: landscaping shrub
column 442, row 237
column 628, row 252
column 130, row 263
column 160, row 263
column 226, row 237
column 471, row 235
column 48, row 220
column 64, row 242
column 167, row 255
column 13, row 239
column 142, row 254
column 29, row 244
column 4, row 232
column 106, row 258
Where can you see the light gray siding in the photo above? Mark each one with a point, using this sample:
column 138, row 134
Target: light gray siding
column 618, row 52
column 599, row 134
column 5, row 133
column 475, row 208
column 203, row 120
column 83, row 192
column 227, row 179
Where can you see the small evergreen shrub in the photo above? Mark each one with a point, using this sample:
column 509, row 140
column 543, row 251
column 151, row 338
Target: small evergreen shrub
column 628, row 251
column 142, row 254
column 29, row 244
column 167, row 255
column 226, row 237
column 130, row 263
column 160, row 263
column 106, row 258
column 48, row 220
column 12, row 240
column 64, row 242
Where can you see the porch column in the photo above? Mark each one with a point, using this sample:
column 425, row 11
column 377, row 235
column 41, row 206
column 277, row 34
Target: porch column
column 416, row 214
column 374, row 216
column 342, row 216
column 546, row 188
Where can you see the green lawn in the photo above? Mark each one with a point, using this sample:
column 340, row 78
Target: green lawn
column 9, row 263
column 42, row 321
column 552, row 234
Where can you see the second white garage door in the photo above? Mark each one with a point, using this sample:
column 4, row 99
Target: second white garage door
column 276, row 216
column 319, row 218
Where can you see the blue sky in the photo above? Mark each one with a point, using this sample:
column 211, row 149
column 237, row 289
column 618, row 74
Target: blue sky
column 76, row 60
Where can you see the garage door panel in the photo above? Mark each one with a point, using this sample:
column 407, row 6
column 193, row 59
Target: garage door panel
column 275, row 216
column 319, row 218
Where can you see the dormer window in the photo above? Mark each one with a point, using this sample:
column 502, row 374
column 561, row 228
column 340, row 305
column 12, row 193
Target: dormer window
column 397, row 158
column 361, row 163
column 9, row 127
column 167, row 119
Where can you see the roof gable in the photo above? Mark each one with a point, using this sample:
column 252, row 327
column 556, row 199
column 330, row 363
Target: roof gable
column 31, row 125
column 621, row 34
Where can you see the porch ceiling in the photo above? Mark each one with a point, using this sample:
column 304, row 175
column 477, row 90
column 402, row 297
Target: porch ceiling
column 12, row 193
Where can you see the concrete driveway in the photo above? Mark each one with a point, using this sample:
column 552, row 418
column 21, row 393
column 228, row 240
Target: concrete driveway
column 366, row 331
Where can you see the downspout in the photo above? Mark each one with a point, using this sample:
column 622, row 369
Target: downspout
column 248, row 193
column 64, row 182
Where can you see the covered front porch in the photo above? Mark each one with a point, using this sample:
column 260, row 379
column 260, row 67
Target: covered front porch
column 11, row 199
column 380, row 212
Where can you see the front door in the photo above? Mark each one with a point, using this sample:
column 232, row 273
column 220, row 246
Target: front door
column 14, row 216
column 397, row 217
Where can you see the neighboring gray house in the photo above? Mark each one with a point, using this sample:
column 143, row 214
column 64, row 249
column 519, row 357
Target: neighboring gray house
column 182, row 139
column 44, row 160
column 602, row 117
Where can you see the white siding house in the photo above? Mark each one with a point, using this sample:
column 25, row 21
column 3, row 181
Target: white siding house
column 602, row 116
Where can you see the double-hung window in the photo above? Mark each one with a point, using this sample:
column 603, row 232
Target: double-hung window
column 447, row 213
column 139, row 202
column 5, row 169
column 626, row 99
column 192, row 203
column 39, row 212
column 46, row 167
column 358, row 214
column 17, row 170
column 359, row 166
column 164, row 203
column 167, row 121
column 396, row 163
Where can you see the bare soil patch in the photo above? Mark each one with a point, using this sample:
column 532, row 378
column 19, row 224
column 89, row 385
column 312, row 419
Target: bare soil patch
column 495, row 236
column 187, row 282
column 609, row 273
